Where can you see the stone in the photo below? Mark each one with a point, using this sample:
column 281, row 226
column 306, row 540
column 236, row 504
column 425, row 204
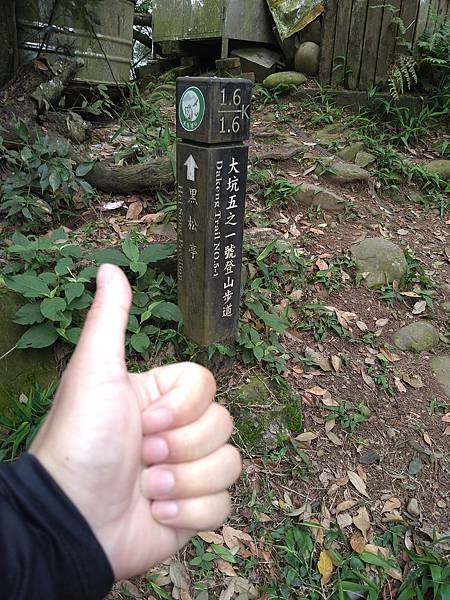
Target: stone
column 312, row 32
column 313, row 195
column 335, row 133
column 418, row 336
column 307, row 58
column 343, row 172
column 349, row 152
column 22, row 369
column 260, row 237
column 391, row 433
column 364, row 159
column 413, row 508
column 258, row 60
column 445, row 306
column 371, row 457
column 258, row 425
column 380, row 260
column 439, row 167
column 440, row 365
column 284, row 78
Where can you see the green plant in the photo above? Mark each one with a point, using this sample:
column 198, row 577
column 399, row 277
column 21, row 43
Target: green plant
column 402, row 76
column 348, row 415
column 279, row 191
column 23, row 421
column 57, row 280
column 41, row 180
column 380, row 375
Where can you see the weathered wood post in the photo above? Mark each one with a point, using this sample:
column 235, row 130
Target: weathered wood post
column 213, row 120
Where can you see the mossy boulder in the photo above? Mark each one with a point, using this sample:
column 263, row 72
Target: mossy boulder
column 265, row 414
column 284, row 78
column 350, row 152
column 418, row 336
column 21, row 369
column 440, row 366
column 439, row 167
column 333, row 133
column 314, row 195
column 381, row 261
column 340, row 171
column 307, row 58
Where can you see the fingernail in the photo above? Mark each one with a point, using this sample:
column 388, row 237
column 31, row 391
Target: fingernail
column 165, row 511
column 105, row 275
column 160, row 482
column 159, row 419
column 156, row 450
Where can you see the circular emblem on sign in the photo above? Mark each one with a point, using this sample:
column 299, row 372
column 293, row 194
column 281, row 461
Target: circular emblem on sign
column 192, row 109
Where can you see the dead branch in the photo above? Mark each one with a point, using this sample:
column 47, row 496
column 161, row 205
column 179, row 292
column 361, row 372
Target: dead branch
column 142, row 38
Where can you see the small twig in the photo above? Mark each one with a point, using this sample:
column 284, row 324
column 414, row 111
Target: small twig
column 8, row 353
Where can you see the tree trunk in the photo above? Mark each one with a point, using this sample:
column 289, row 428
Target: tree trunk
column 8, row 41
column 142, row 19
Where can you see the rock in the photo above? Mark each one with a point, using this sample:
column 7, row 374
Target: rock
column 284, row 78
column 335, row 133
column 371, row 457
column 259, row 426
column 349, row 152
column 363, row 159
column 413, row 508
column 445, row 306
column 440, row 365
column 380, row 259
column 446, row 289
column 391, row 433
column 439, row 167
column 419, row 336
column 260, row 237
column 312, row 32
column 22, row 369
column 313, row 195
column 340, row 171
column 307, row 58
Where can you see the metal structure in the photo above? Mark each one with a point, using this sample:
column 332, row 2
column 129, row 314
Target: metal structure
column 102, row 38
column 225, row 20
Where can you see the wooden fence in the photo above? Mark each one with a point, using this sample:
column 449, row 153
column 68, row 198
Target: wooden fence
column 361, row 38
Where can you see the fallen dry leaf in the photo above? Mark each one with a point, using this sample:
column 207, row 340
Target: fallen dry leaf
column 134, row 210
column 308, row 436
column 344, row 520
column 226, row 568
column 330, row 424
column 153, row 218
column 361, row 325
column 381, row 322
column 336, row 363
column 390, row 505
column 399, row 385
column 447, row 430
column 232, row 535
column 325, row 566
column 322, row 265
column 358, row 483
column 345, row 505
column 318, row 359
column 362, row 521
column 419, row 307
column 388, row 355
column 358, row 542
column 317, row 391
column 368, row 379
column 334, row 438
column 446, row 418
column 210, row 537
column 414, row 381
column 427, row 439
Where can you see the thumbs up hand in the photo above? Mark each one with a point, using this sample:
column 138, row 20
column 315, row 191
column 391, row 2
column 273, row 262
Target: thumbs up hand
column 144, row 457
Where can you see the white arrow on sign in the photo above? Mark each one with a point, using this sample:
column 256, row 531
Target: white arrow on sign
column 191, row 165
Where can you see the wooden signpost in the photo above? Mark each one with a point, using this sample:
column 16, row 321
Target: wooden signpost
column 213, row 120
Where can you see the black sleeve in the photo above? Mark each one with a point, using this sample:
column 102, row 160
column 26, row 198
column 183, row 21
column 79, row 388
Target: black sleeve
column 47, row 549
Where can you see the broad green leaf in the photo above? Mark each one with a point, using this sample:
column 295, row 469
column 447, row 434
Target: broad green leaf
column 73, row 335
column 30, row 286
column 59, row 236
column 415, row 466
column 82, row 302
column 157, row 252
column 140, row 299
column 71, row 251
column 131, row 250
column 167, row 311
column 267, row 250
column 53, row 308
column 223, row 552
column 111, row 256
column 83, row 169
column 29, row 314
column 140, row 342
column 138, row 267
column 55, row 180
column 73, row 290
column 133, row 324
column 88, row 273
column 63, row 266
column 375, row 559
column 39, row 336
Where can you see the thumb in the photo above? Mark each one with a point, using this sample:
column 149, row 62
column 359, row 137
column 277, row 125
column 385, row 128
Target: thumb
column 102, row 342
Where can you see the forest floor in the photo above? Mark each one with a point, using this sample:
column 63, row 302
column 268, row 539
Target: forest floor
column 345, row 438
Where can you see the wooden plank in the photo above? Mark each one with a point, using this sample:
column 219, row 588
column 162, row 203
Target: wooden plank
column 371, row 43
column 432, row 13
column 422, row 17
column 355, row 42
column 343, row 18
column 327, row 47
column 408, row 15
column 443, row 8
column 387, row 41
